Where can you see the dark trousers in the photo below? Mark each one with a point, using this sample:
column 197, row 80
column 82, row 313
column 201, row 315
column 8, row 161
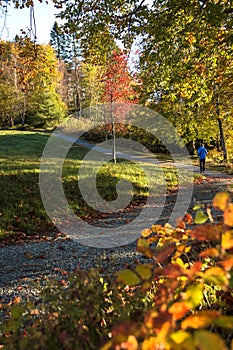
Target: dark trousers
column 202, row 165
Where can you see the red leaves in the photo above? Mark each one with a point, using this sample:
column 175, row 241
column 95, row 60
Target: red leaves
column 156, row 321
column 17, row 300
column 173, row 271
column 181, row 282
column 211, row 252
column 207, row 232
column 227, row 263
column 187, row 219
column 165, row 253
column 117, row 80
column 123, row 330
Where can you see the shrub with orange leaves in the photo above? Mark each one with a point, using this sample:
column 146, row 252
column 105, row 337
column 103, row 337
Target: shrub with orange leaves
column 190, row 269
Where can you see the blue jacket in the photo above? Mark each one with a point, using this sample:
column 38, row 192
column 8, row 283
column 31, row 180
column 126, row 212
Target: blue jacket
column 202, row 152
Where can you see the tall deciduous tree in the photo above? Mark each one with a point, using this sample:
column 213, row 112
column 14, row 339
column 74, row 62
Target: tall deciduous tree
column 45, row 106
column 12, row 82
column 118, row 88
column 186, row 54
column 30, row 80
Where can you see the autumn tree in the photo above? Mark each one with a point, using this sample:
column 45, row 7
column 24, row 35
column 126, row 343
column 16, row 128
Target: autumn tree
column 12, row 83
column 99, row 24
column 45, row 107
column 92, row 84
column 118, row 88
column 30, row 80
column 186, row 65
column 118, row 83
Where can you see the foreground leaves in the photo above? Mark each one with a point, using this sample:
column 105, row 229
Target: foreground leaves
column 190, row 267
column 180, row 298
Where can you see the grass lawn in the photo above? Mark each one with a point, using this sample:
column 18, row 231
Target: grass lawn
column 21, row 208
column 20, row 205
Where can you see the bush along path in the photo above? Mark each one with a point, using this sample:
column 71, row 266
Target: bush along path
column 179, row 296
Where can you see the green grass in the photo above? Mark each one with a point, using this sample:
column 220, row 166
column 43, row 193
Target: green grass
column 21, row 207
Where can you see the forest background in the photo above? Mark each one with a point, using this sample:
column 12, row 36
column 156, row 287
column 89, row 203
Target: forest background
column 182, row 67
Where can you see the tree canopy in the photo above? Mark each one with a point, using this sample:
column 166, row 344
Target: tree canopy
column 184, row 56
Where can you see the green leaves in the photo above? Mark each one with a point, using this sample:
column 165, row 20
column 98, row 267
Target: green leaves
column 142, row 273
column 143, row 247
column 128, row 277
column 204, row 340
column 224, row 321
column 200, row 217
column 185, row 53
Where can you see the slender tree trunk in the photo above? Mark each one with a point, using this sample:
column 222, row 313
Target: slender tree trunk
column 77, row 80
column 12, row 122
column 113, row 133
column 23, row 111
column 77, row 89
column 222, row 139
column 221, row 132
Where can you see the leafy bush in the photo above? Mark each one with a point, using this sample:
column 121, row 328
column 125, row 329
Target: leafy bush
column 191, row 271
column 74, row 313
column 182, row 299
column 100, row 134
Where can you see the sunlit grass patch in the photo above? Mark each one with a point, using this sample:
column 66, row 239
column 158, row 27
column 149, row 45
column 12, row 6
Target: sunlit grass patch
column 21, row 207
column 146, row 179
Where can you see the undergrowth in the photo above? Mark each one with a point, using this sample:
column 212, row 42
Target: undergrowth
column 181, row 299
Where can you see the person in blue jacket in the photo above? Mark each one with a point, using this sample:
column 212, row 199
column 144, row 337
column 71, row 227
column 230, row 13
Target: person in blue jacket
column 202, row 152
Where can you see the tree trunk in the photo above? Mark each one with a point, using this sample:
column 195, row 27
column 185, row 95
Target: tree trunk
column 23, row 111
column 222, row 139
column 12, row 122
column 221, row 133
column 113, row 133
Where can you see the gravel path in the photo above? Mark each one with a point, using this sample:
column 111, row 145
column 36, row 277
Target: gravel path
column 25, row 263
